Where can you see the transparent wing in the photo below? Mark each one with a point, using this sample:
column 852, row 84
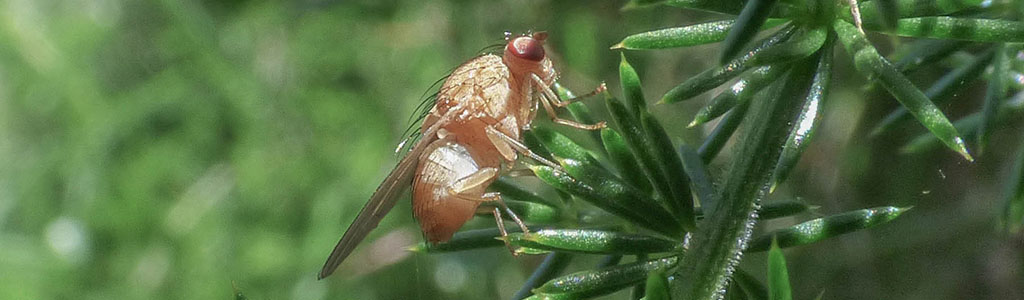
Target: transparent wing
column 382, row 201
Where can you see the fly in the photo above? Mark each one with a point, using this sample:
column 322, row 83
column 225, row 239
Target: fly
column 467, row 137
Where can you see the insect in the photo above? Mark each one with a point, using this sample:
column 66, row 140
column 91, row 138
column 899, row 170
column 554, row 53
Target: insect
column 471, row 132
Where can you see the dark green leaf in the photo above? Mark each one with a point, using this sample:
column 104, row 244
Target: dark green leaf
column 772, row 210
column 1012, row 218
column 969, row 125
column 510, row 190
column 592, row 283
column 889, row 12
column 530, row 212
column 639, row 288
column 722, row 132
column 823, row 228
column 554, row 263
column 941, row 91
column 633, row 4
column 993, row 97
column 868, row 62
column 955, row 28
column 468, row 240
column 699, row 177
column 923, row 52
column 870, row 14
column 808, row 119
column 535, row 145
column 718, row 75
column 731, row 7
column 692, row 35
column 778, row 276
column 751, row 287
column 632, row 90
column 747, row 25
column 623, row 160
column 739, row 93
column 672, row 169
column 642, row 147
column 608, row 261
column 611, row 196
column 804, row 42
column 563, row 147
column 657, row 286
column 591, row 241
column 781, row 209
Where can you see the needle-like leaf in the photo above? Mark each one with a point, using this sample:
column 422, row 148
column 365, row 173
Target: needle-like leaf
column 731, row 7
column 593, row 283
column 924, row 52
column 721, row 134
column 751, row 287
column 778, row 275
column 593, row 241
column 823, row 228
column 632, row 90
column 554, row 263
column 529, row 212
column 624, row 160
column 468, row 240
column 802, row 43
column 672, row 169
column 1012, row 218
column 808, row 119
column 657, row 286
column 747, row 25
column 993, row 97
column 941, row 91
column 718, row 75
column 956, row 28
column 1013, row 108
column 868, row 62
column 692, row 35
column 871, row 13
column 739, row 93
column 699, row 177
column 644, row 149
column 610, row 195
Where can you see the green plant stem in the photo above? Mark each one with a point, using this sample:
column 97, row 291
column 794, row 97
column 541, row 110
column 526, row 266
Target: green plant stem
column 718, row 245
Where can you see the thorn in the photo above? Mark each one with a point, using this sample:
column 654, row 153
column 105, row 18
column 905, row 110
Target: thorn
column 855, row 12
column 693, row 123
column 617, row 46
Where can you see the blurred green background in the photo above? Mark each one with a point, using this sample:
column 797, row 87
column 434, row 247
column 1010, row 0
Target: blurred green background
column 175, row 149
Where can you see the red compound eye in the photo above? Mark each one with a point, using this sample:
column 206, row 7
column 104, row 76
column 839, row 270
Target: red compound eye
column 526, row 48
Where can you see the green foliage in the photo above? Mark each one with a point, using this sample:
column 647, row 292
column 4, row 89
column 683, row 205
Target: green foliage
column 166, row 149
column 778, row 275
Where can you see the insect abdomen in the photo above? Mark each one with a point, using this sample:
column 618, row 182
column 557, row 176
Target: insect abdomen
column 439, row 212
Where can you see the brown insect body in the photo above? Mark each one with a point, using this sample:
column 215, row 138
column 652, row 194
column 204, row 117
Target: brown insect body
column 488, row 91
column 472, row 130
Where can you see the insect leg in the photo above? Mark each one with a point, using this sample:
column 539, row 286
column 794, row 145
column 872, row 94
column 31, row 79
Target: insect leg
column 600, row 88
column 546, row 101
column 474, row 180
column 502, row 140
column 520, row 173
column 546, row 91
column 496, row 197
column 501, row 229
